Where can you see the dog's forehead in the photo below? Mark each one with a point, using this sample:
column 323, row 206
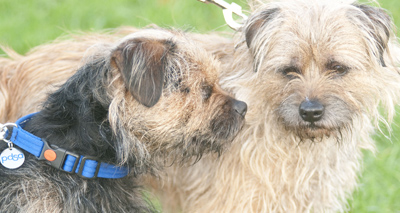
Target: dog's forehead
column 301, row 4
column 318, row 30
column 305, row 16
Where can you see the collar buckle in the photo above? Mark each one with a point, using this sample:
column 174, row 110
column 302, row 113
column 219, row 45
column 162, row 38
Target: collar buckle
column 55, row 156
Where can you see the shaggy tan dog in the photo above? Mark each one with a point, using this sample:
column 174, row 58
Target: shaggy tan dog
column 314, row 74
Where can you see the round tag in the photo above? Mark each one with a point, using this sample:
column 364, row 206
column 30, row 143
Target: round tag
column 12, row 158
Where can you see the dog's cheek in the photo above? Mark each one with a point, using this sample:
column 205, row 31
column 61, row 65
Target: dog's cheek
column 287, row 112
column 337, row 112
column 172, row 112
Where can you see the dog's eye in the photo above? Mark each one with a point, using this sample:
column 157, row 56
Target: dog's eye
column 291, row 72
column 177, row 83
column 339, row 69
column 206, row 92
column 186, row 90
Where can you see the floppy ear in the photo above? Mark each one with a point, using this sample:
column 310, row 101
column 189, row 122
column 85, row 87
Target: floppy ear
column 378, row 24
column 254, row 25
column 142, row 63
column 256, row 22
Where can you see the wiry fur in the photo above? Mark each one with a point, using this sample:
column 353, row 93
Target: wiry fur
column 343, row 54
column 146, row 101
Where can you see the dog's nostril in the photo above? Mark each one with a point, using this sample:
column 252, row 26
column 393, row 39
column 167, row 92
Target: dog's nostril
column 240, row 107
column 311, row 111
column 318, row 113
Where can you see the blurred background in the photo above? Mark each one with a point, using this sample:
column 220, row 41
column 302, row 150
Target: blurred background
column 26, row 24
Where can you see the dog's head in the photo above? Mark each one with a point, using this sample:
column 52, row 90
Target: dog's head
column 165, row 98
column 321, row 67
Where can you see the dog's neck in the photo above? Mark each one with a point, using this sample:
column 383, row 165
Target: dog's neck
column 74, row 119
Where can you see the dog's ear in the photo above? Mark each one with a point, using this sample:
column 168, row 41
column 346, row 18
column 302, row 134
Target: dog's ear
column 142, row 63
column 258, row 21
column 378, row 24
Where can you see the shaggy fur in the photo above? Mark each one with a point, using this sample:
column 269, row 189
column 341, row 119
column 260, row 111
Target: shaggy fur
column 149, row 100
column 340, row 55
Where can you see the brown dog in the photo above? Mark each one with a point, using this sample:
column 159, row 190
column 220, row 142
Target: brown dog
column 148, row 100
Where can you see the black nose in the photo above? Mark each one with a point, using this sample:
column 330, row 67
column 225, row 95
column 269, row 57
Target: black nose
column 240, row 107
column 311, row 111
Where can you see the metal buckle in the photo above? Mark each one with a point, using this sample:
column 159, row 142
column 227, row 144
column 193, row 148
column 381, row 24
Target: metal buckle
column 82, row 165
column 228, row 10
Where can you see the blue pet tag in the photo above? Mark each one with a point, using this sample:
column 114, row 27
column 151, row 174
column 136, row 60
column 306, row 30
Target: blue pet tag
column 12, row 158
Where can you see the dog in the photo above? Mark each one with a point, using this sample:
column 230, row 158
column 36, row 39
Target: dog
column 315, row 75
column 134, row 106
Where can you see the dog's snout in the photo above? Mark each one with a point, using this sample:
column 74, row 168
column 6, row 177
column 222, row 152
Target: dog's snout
column 311, row 111
column 240, row 107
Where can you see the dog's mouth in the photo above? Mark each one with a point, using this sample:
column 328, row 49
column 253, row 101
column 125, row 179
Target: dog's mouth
column 316, row 131
column 314, row 128
column 228, row 121
column 219, row 134
column 227, row 130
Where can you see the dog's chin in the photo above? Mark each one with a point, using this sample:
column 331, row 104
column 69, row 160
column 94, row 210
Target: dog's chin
column 219, row 137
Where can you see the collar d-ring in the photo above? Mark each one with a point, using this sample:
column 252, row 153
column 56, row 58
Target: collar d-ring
column 3, row 131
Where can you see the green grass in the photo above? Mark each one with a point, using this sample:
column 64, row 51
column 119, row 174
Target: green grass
column 379, row 189
column 26, row 24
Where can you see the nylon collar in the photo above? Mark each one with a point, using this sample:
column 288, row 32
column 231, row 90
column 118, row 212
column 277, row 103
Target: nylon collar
column 59, row 158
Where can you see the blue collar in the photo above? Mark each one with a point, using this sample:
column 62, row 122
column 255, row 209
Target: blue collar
column 84, row 166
